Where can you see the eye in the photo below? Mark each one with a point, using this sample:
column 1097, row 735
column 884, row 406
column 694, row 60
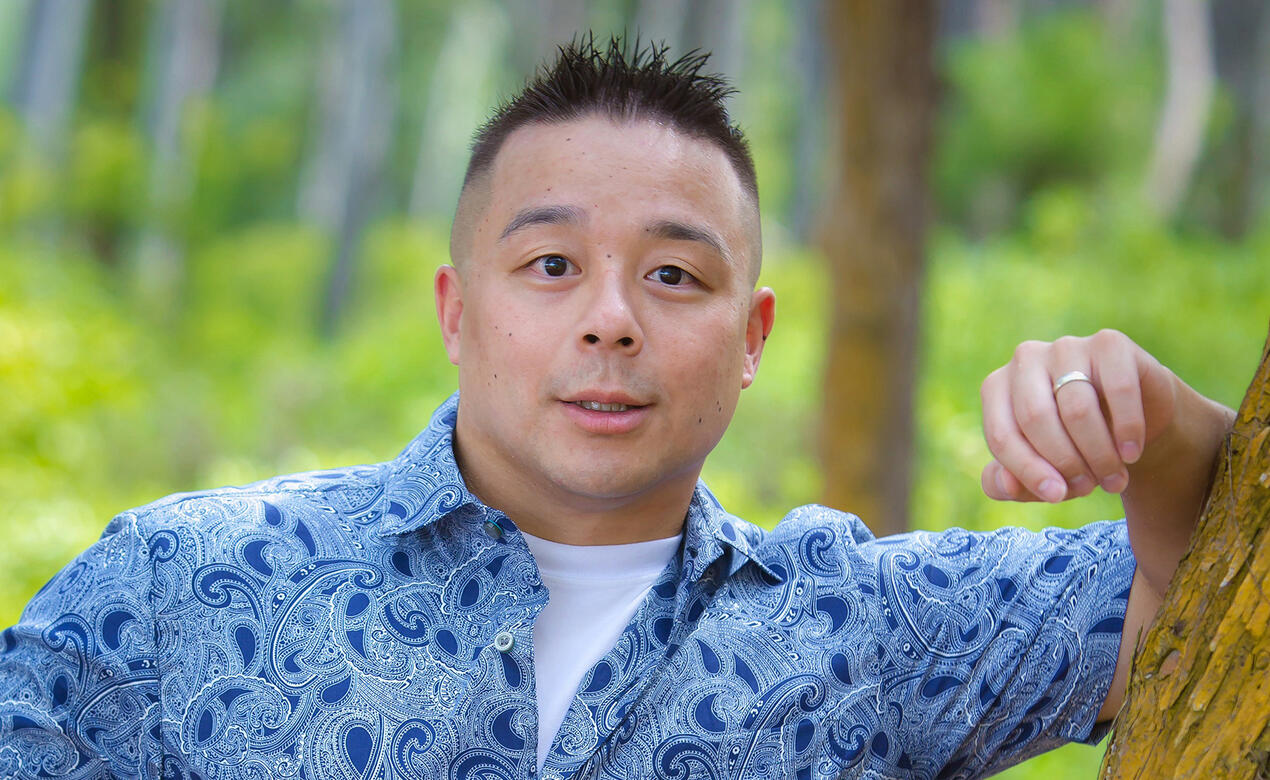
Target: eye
column 672, row 276
column 553, row 266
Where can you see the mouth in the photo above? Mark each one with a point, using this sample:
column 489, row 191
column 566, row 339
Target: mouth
column 599, row 406
column 606, row 413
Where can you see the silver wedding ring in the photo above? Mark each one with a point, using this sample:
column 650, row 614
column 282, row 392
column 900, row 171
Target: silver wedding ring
column 1071, row 376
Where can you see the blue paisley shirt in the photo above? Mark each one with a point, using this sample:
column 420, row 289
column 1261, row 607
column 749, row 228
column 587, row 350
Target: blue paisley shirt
column 376, row 622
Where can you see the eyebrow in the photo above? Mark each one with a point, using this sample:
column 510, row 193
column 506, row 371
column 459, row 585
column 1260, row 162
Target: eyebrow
column 668, row 229
column 543, row 215
column 672, row 230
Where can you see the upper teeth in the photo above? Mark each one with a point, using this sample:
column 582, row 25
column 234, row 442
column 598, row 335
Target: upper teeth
column 596, row 406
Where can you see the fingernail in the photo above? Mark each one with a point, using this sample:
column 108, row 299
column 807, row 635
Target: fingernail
column 1000, row 480
column 1114, row 483
column 1082, row 484
column 1130, row 452
column 1051, row 491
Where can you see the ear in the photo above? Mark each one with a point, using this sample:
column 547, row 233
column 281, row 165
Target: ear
column 757, row 328
column 447, row 288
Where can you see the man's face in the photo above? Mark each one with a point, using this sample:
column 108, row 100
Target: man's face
column 603, row 317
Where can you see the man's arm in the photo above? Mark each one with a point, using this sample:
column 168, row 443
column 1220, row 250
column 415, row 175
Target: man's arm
column 1134, row 428
column 79, row 685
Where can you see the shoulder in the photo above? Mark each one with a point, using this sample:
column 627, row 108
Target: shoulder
column 822, row 540
column 308, row 504
column 810, row 540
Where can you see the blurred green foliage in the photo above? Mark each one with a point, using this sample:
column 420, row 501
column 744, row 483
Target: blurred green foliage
column 1057, row 103
column 117, row 389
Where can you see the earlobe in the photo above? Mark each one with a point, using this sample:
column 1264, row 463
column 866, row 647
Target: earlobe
column 447, row 289
column 757, row 329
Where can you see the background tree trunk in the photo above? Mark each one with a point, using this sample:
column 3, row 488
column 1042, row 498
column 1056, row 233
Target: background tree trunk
column 1179, row 137
column 1252, row 198
column 808, row 154
column 461, row 91
column 357, row 110
column 883, row 67
column 48, row 73
column 1198, row 703
column 185, row 47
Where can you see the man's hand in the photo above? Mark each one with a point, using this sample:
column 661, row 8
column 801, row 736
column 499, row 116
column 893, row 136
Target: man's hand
column 1050, row 445
column 1133, row 427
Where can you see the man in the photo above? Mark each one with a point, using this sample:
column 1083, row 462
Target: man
column 539, row 586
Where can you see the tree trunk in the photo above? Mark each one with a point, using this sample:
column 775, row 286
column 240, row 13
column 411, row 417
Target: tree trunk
column 185, row 47
column 1259, row 143
column 461, row 91
column 718, row 27
column 883, row 56
column 48, row 73
column 661, row 21
column 1198, row 703
column 995, row 19
column 357, row 107
column 541, row 26
column 1179, row 137
column 809, row 136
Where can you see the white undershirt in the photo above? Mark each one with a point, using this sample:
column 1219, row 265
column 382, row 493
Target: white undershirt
column 595, row 591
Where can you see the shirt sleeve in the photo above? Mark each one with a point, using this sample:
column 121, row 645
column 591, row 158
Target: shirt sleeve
column 78, row 676
column 997, row 646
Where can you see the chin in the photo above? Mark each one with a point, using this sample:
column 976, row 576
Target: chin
column 607, row 482
column 610, row 478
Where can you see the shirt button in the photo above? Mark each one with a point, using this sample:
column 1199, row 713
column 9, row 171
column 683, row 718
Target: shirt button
column 492, row 529
column 504, row 641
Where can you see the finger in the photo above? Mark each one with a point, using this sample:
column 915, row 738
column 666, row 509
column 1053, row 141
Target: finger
column 1011, row 448
column 1001, row 485
column 1080, row 405
column 1081, row 413
column 1037, row 416
column 1116, row 369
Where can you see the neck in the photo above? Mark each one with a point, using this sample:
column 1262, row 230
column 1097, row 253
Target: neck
column 553, row 512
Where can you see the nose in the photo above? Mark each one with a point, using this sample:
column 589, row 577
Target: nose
column 610, row 320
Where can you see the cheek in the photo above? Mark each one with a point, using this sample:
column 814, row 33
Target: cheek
column 710, row 364
column 503, row 350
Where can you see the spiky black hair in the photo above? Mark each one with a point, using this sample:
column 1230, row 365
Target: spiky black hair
column 622, row 84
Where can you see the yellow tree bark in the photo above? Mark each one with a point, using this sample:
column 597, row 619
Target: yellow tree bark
column 874, row 241
column 1198, row 704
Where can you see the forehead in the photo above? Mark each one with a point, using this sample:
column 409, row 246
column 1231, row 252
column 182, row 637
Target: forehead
column 619, row 171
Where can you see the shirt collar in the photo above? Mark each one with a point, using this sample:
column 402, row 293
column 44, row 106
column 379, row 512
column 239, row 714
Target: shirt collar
column 424, row 484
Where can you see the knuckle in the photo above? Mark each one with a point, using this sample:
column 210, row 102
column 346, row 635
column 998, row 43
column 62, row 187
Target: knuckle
column 998, row 441
column 1129, row 429
column 1079, row 412
column 1104, row 466
column 1117, row 387
column 1027, row 349
column 1069, row 465
column 1030, row 414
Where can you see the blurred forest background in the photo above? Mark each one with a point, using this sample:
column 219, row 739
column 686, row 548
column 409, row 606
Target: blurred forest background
column 219, row 223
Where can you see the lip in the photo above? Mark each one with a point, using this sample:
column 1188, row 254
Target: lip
column 605, row 397
column 606, row 423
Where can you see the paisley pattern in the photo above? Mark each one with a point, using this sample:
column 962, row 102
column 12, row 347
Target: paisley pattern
column 341, row 625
